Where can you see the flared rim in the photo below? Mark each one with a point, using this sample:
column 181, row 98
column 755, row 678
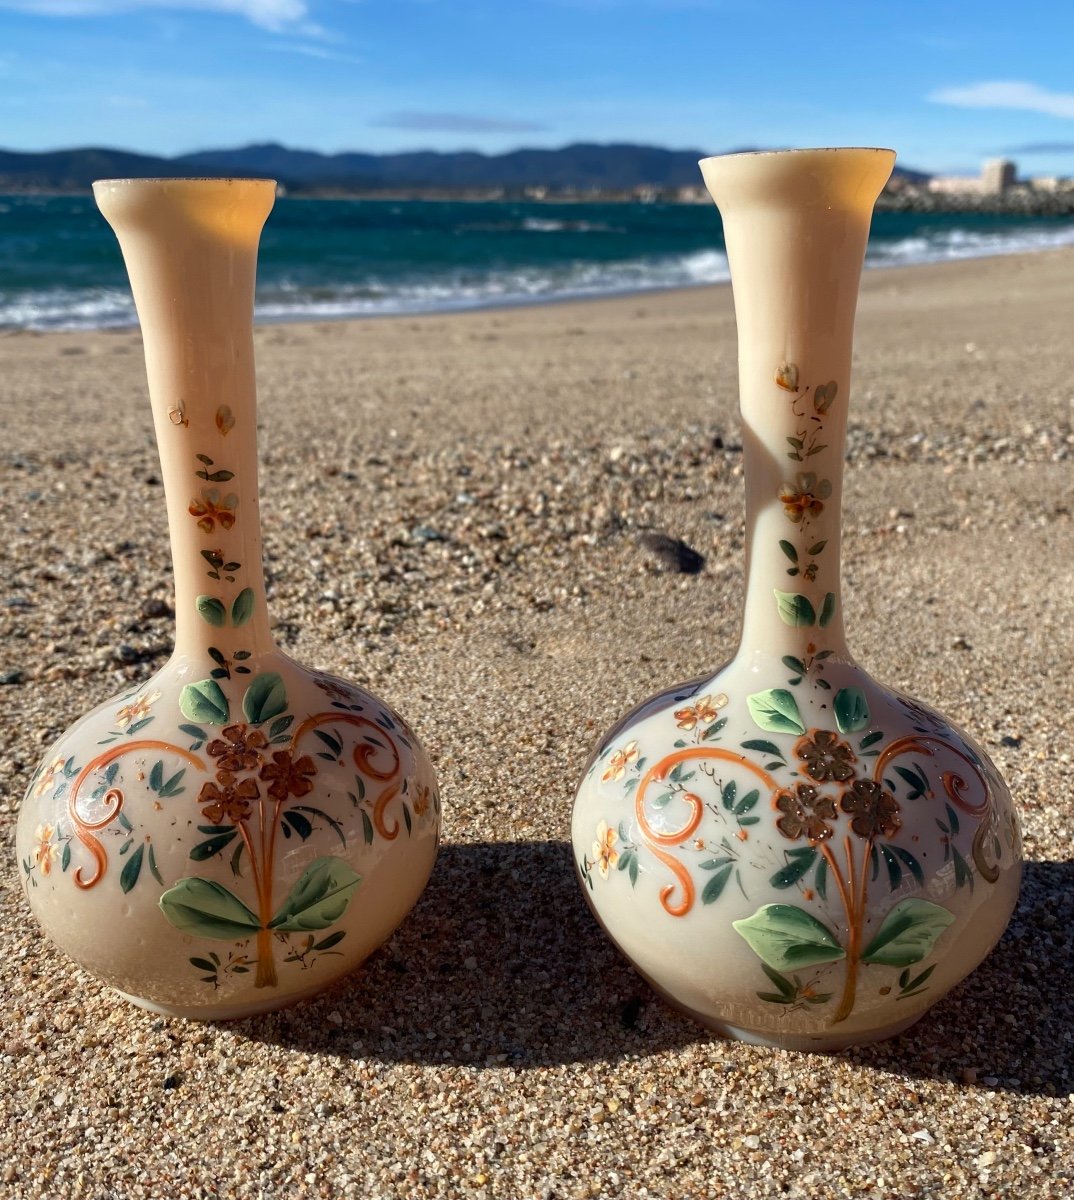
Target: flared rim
column 800, row 150
column 133, row 179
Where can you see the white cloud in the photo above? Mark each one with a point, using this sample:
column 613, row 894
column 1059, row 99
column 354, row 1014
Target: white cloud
column 275, row 15
column 1027, row 97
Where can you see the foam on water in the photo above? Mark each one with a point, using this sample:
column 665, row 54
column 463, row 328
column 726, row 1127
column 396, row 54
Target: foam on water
column 60, row 267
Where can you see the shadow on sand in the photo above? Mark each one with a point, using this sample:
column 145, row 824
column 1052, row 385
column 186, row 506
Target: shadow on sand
column 501, row 963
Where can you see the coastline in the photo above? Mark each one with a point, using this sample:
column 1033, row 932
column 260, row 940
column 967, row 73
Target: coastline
column 452, row 507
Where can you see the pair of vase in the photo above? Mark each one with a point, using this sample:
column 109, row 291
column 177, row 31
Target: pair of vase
column 788, row 851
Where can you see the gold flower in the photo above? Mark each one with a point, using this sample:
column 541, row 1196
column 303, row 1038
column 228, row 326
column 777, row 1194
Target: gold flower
column 136, row 710
column 605, row 855
column 48, row 776
column 47, row 849
column 213, row 510
column 619, row 761
column 702, row 712
column 804, row 496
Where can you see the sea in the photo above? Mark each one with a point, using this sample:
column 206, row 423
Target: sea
column 60, row 266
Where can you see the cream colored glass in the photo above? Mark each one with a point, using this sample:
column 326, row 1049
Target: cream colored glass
column 786, row 849
column 236, row 832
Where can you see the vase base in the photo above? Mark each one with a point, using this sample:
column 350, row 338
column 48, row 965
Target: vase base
column 820, row 1043
column 234, row 1012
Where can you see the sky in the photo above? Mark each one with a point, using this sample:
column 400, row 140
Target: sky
column 945, row 84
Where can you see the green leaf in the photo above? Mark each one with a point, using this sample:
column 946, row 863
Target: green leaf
column 367, row 828
column 132, row 868
column 908, row 933
column 797, row 867
column 213, row 845
column 243, row 608
column 300, row 824
column 203, row 964
column 266, row 697
column 207, row 909
column 794, row 608
column 788, row 938
column 781, row 981
column 333, row 743
column 789, row 550
column 714, row 888
column 820, row 879
column 911, row 862
column 280, row 725
column 762, row 747
column 851, row 709
column 827, row 609
column 870, row 739
column 894, row 867
column 319, row 898
column 728, row 794
column 333, row 939
column 154, row 868
column 211, row 609
column 793, row 664
column 775, row 711
column 156, row 776
column 817, row 547
column 747, row 802
column 204, row 701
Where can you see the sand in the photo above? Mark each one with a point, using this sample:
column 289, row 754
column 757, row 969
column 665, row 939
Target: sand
column 452, row 512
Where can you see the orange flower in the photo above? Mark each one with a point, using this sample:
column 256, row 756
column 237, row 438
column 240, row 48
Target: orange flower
column 619, row 761
column 803, row 497
column 238, row 749
column 702, row 712
column 289, row 777
column 47, row 850
column 605, row 855
column 212, row 510
column 230, row 802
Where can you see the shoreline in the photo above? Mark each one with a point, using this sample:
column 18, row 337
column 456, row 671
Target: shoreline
column 512, row 304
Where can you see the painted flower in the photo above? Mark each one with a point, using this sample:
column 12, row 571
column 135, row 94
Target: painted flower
column 805, row 813
column 137, row 710
column 48, row 776
column 238, row 749
column 702, row 712
column 421, row 801
column 289, row 776
column 619, row 761
column 47, row 849
column 875, row 811
column 230, row 802
column 605, row 855
column 804, row 497
column 212, row 509
column 335, row 689
column 826, row 757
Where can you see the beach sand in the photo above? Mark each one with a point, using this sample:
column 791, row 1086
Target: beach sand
column 452, row 507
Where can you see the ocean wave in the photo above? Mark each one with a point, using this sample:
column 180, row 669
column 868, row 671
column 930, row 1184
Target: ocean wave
column 947, row 245
column 292, row 300
column 299, row 294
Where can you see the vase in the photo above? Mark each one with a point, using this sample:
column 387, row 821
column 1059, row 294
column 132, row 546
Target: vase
column 790, row 852
column 238, row 831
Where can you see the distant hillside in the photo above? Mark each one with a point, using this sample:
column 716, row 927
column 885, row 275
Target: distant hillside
column 613, row 168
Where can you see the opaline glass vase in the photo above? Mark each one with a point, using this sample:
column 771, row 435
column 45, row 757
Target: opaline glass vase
column 238, row 831
column 789, row 851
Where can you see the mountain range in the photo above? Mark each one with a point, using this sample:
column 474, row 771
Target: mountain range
column 580, row 166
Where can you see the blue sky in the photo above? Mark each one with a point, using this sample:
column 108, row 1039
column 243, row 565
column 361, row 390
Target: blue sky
column 946, row 84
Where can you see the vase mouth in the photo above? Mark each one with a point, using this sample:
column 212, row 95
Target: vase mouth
column 833, row 150
column 136, row 179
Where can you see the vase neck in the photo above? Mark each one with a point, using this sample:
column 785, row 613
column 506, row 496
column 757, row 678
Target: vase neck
column 190, row 247
column 795, row 227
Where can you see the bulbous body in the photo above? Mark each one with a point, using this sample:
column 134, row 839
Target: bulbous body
column 796, row 855
column 787, row 850
column 238, row 831
column 218, row 862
